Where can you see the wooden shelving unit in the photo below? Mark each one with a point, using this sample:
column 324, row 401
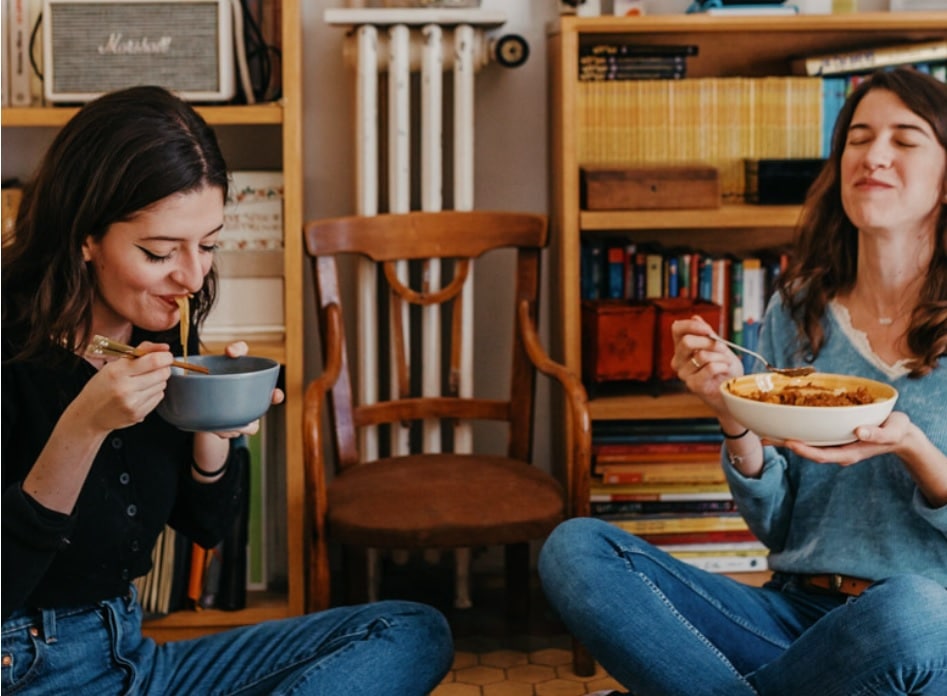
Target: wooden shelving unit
column 286, row 114
column 742, row 46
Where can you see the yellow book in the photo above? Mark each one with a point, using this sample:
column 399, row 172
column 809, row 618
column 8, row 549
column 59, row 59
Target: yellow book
column 674, row 523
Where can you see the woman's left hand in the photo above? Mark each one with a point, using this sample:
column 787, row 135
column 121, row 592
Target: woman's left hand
column 235, row 350
column 872, row 441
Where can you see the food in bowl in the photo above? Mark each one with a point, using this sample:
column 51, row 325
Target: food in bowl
column 235, row 393
column 809, row 394
column 817, row 409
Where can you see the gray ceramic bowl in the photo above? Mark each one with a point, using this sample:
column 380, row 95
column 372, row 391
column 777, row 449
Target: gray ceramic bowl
column 236, row 392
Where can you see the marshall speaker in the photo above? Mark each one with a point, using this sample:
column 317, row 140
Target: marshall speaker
column 95, row 46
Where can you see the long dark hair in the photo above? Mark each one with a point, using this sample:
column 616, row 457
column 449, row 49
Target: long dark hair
column 824, row 263
column 117, row 156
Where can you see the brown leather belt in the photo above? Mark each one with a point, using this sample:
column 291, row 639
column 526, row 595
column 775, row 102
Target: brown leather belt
column 836, row 584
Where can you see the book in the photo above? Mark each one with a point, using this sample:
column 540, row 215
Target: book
column 654, row 275
column 624, row 508
column 654, row 450
column 232, row 590
column 708, row 471
column 257, row 509
column 871, row 58
column 622, row 49
column 754, row 303
column 615, row 272
column 736, row 301
column 727, row 563
column 631, row 61
column 749, row 547
column 657, row 524
column 716, row 537
column 609, row 492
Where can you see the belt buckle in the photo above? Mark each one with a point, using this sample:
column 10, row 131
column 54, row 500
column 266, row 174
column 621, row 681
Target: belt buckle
column 836, row 582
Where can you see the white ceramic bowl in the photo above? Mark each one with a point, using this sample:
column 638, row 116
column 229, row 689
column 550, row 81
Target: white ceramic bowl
column 236, row 392
column 816, row 425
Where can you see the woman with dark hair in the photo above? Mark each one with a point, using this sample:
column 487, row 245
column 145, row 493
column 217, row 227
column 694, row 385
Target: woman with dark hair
column 857, row 533
column 120, row 224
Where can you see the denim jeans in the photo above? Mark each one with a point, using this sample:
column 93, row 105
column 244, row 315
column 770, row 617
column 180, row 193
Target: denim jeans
column 664, row 628
column 389, row 647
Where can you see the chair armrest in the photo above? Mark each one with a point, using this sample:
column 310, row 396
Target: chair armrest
column 580, row 424
column 314, row 458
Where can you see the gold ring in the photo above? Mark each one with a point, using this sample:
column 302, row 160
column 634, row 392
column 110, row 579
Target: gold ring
column 695, row 363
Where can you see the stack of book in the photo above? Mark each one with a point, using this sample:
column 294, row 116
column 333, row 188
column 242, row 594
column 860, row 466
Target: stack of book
column 617, row 61
column 662, row 481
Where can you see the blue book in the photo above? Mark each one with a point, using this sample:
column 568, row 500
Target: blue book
column 705, row 279
column 833, row 96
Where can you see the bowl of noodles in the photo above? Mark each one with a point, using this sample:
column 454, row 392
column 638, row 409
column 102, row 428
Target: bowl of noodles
column 235, row 393
column 820, row 409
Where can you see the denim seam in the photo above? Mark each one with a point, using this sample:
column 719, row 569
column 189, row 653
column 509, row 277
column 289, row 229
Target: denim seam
column 693, row 629
column 712, row 601
column 301, row 660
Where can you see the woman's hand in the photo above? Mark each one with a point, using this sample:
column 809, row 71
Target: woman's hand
column 124, row 391
column 871, row 442
column 702, row 363
column 235, row 350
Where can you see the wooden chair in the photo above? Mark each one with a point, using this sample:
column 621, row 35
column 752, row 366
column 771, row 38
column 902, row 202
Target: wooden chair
column 405, row 474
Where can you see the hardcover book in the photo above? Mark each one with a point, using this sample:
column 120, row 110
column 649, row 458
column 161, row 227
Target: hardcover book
column 872, row 58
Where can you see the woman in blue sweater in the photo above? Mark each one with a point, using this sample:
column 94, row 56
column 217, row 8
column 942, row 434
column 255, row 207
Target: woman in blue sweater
column 857, row 533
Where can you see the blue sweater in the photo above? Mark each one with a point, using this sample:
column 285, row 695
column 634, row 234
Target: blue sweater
column 867, row 520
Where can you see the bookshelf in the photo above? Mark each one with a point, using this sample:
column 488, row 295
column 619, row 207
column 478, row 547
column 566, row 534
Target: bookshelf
column 727, row 47
column 286, row 116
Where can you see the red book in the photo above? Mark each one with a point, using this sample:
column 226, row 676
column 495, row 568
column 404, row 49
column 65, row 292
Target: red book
column 708, row 471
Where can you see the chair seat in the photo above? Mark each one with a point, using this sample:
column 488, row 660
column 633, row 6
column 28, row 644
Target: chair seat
column 469, row 500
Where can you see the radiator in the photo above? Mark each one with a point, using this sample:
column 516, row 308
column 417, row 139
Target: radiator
column 386, row 53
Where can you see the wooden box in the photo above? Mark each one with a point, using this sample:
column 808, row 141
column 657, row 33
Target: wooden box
column 649, row 187
column 617, row 340
column 669, row 310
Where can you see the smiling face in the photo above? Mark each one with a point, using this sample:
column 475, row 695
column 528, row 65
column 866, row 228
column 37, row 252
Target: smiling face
column 144, row 264
column 892, row 167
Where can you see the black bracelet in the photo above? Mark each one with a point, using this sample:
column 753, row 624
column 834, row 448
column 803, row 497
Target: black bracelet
column 728, row 436
column 209, row 474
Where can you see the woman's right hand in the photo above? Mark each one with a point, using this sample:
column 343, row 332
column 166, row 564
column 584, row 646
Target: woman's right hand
column 125, row 391
column 702, row 363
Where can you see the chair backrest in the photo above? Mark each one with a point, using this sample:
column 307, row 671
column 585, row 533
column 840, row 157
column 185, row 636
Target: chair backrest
column 412, row 391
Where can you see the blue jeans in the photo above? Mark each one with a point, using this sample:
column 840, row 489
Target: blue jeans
column 390, row 647
column 662, row 627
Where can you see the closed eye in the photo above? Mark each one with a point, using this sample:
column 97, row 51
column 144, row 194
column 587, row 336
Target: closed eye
column 153, row 257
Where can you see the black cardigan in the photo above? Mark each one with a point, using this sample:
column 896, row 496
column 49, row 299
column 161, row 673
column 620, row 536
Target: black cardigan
column 140, row 481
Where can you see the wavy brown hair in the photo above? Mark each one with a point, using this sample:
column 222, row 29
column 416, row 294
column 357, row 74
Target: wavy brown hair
column 120, row 154
column 824, row 260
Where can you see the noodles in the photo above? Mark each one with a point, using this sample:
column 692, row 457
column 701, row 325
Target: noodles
column 184, row 304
